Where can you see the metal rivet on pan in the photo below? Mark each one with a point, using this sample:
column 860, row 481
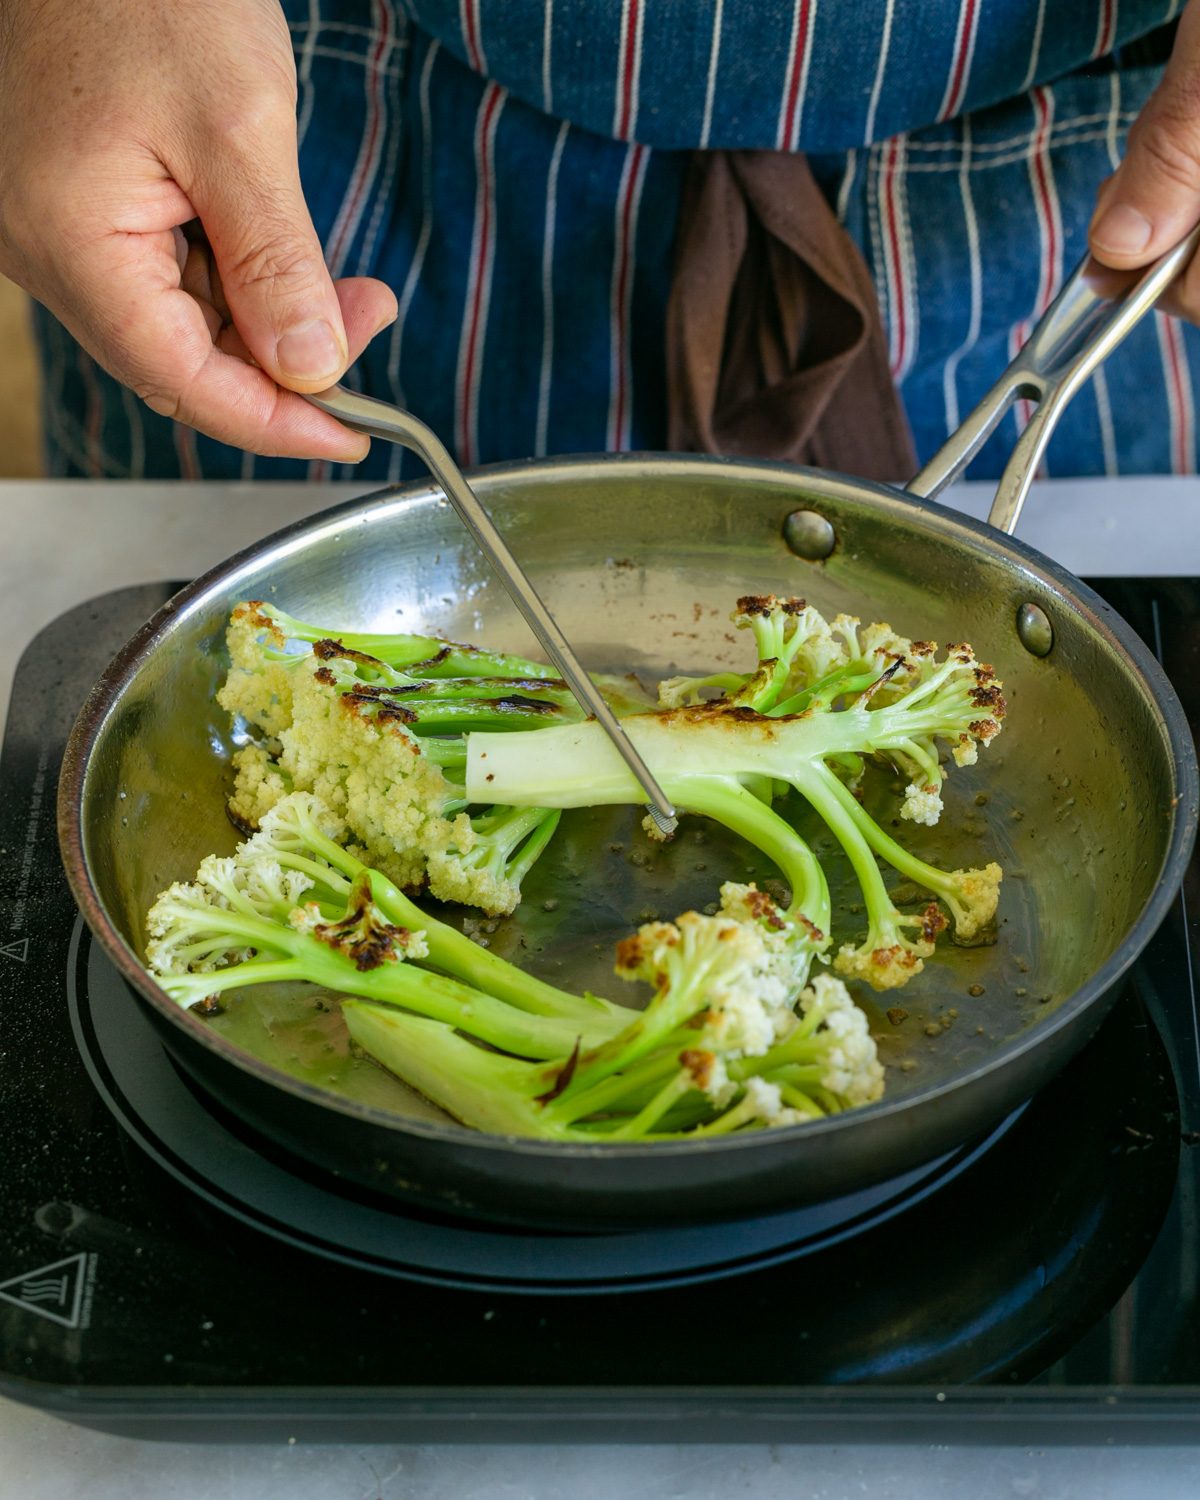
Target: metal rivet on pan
column 1034, row 630
column 809, row 535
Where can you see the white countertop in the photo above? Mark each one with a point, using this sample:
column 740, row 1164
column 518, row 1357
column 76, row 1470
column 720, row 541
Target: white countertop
column 43, row 1460
column 63, row 543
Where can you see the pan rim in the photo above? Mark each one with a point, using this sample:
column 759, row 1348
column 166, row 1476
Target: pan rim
column 378, row 504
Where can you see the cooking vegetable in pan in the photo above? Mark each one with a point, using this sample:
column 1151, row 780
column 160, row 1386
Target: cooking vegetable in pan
column 372, row 753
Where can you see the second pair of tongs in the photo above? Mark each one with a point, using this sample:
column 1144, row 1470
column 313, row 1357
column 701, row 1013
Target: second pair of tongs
column 378, row 419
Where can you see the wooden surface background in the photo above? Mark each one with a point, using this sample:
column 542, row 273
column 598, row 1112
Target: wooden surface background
column 20, row 439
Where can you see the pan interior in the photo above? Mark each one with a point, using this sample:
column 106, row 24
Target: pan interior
column 642, row 562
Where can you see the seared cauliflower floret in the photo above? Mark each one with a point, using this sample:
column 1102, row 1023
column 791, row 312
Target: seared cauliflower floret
column 372, row 741
column 816, row 650
column 826, row 1062
column 790, row 941
column 488, row 871
column 729, row 982
column 922, row 804
column 259, row 785
column 353, row 752
column 972, row 898
column 850, row 1066
column 961, row 700
column 178, row 943
column 363, row 764
column 259, row 684
column 885, row 652
column 884, row 966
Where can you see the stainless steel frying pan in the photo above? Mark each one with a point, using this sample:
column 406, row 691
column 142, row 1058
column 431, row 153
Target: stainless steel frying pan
column 1088, row 799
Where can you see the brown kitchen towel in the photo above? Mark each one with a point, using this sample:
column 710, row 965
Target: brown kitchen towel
column 775, row 347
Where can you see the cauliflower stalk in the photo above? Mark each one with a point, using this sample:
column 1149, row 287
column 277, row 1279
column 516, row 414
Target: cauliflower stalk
column 840, row 694
column 250, row 919
column 720, row 1047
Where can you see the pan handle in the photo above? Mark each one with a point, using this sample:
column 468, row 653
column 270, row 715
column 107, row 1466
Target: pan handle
column 1093, row 312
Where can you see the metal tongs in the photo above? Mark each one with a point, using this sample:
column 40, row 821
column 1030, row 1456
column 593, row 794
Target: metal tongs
column 380, row 420
column 1093, row 312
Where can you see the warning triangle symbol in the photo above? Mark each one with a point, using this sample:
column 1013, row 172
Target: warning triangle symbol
column 18, row 949
column 54, row 1291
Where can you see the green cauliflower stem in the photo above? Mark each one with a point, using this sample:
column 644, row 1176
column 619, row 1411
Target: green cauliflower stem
column 419, row 655
column 719, row 1047
column 432, row 684
column 301, row 834
column 243, row 922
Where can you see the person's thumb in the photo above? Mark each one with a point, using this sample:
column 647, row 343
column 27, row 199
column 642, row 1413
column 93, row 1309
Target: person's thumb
column 1153, row 199
column 272, row 271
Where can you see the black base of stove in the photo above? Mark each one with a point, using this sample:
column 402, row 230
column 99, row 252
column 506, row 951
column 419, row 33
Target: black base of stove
column 1048, row 1294
column 933, row 1321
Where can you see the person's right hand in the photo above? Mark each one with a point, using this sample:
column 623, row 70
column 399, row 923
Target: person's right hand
column 1153, row 199
column 120, row 122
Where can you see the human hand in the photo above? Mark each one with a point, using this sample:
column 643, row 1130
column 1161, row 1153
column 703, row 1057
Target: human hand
column 120, row 122
column 1153, row 199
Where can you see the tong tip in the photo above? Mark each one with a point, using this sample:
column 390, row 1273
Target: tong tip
column 665, row 822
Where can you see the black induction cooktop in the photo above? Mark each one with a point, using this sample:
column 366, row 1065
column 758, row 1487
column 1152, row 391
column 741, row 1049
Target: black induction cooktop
column 163, row 1276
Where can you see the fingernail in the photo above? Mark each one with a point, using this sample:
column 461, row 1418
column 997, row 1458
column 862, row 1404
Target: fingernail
column 309, row 351
column 1122, row 230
